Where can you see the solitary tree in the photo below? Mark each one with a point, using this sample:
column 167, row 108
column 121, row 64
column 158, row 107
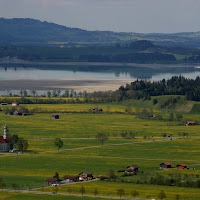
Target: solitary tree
column 58, row 143
column 135, row 193
column 96, row 192
column 162, row 195
column 2, row 185
column 120, row 192
column 102, row 137
column 178, row 197
column 82, row 190
column 14, row 139
column 56, row 175
column 33, row 92
column 111, row 174
column 22, row 145
column 48, row 93
column 69, row 190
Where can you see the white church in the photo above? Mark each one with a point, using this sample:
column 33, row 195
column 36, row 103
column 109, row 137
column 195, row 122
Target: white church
column 5, row 142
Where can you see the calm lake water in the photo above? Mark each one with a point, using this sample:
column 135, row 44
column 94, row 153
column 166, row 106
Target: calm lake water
column 21, row 72
column 94, row 72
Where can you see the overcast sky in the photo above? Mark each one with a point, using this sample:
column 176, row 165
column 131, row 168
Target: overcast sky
column 146, row 16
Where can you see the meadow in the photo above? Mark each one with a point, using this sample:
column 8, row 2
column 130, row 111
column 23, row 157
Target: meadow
column 29, row 196
column 82, row 152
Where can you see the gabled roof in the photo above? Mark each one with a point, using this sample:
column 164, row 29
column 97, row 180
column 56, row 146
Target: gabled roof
column 191, row 122
column 167, row 163
column 87, row 172
column 2, row 140
column 183, row 165
column 52, row 180
column 70, row 177
column 133, row 165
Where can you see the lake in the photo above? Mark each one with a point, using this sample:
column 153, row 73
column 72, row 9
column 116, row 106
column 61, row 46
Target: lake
column 17, row 77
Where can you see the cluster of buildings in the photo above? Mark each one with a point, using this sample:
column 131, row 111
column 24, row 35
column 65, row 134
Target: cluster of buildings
column 83, row 176
column 168, row 165
column 13, row 104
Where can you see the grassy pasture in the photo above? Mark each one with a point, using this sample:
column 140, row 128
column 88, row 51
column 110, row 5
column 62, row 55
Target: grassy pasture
column 29, row 196
column 87, row 125
column 146, row 191
column 32, row 169
column 36, row 167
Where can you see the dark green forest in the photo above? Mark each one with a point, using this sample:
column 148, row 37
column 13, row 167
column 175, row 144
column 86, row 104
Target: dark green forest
column 142, row 51
column 177, row 85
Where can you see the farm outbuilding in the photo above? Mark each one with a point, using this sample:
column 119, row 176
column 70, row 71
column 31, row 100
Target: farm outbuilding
column 132, row 168
column 54, row 117
column 181, row 166
column 190, row 123
column 51, row 181
column 70, row 178
column 15, row 103
column 165, row 165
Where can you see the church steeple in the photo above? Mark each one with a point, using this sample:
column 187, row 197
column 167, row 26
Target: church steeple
column 5, row 132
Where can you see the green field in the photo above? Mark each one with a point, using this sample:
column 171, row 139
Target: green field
column 78, row 130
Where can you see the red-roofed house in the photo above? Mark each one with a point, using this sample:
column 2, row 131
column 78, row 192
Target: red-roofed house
column 53, row 181
column 181, row 166
column 5, row 142
column 189, row 123
column 165, row 165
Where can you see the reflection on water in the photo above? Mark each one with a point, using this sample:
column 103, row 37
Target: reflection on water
column 16, row 72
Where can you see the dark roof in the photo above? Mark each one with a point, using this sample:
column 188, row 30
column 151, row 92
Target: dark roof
column 2, row 140
column 15, row 102
column 134, row 166
column 87, row 172
column 70, row 177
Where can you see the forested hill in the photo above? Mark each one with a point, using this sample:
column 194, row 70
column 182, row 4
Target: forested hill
column 177, row 85
column 20, row 31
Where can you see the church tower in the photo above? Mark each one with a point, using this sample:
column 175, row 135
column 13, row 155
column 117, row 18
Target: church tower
column 5, row 132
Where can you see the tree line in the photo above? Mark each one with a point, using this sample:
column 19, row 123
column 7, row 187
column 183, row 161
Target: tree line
column 177, row 85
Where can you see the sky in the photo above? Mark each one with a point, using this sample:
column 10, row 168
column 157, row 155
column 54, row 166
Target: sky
column 141, row 16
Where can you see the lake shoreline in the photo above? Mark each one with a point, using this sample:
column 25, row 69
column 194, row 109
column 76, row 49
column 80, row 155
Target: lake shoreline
column 17, row 61
column 89, row 85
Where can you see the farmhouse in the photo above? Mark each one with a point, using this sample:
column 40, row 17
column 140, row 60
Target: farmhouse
column 51, row 181
column 19, row 113
column 5, row 142
column 4, row 104
column 181, row 166
column 54, row 117
column 85, row 176
column 70, row 178
column 165, row 165
column 132, row 168
column 15, row 103
column 190, row 123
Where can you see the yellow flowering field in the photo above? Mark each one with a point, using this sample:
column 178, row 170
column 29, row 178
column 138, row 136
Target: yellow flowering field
column 145, row 191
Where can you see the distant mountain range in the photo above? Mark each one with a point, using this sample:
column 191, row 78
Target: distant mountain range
column 20, row 31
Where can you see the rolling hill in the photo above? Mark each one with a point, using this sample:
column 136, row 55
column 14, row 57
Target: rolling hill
column 25, row 31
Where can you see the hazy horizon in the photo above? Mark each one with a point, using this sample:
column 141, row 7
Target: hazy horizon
column 139, row 16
